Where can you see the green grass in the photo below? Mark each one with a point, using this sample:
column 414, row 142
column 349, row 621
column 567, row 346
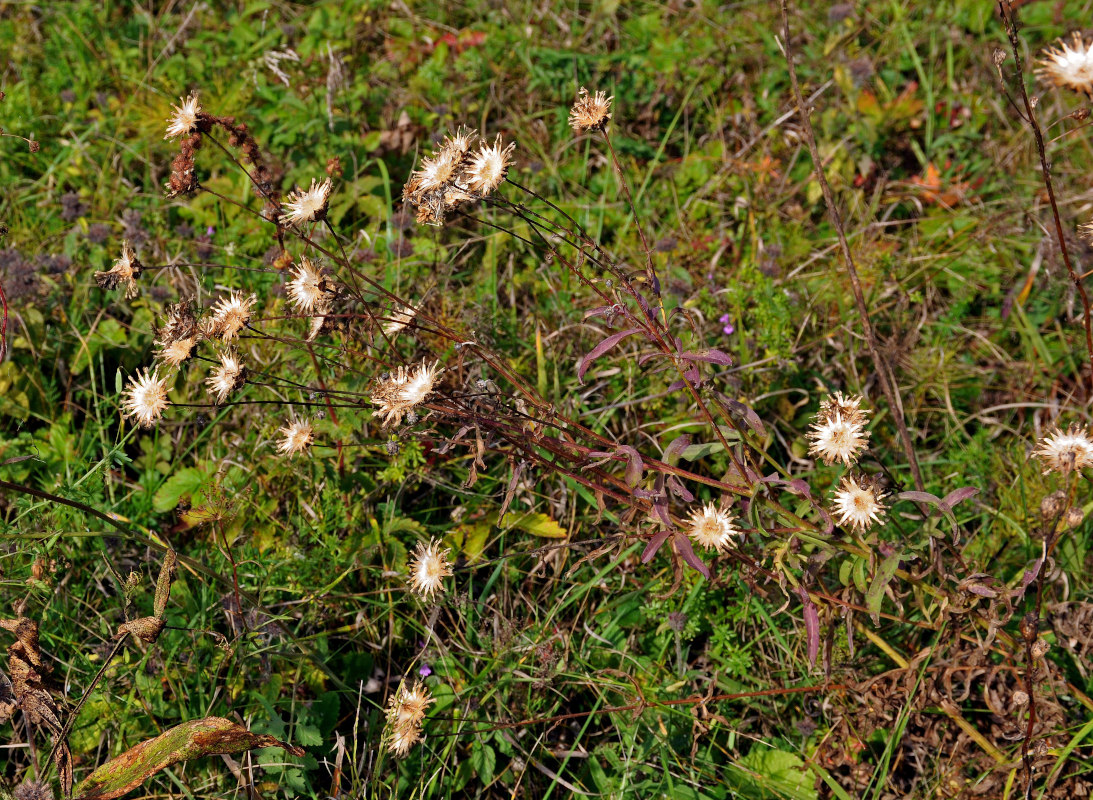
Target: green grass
column 553, row 676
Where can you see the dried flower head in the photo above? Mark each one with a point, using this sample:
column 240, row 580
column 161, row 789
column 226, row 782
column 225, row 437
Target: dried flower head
column 849, row 408
column 838, row 431
column 307, row 206
column 712, row 528
column 181, row 323
column 309, row 287
column 230, row 315
column 428, row 568
column 405, row 714
column 32, row 790
column 227, row 376
column 404, row 390
column 1063, row 452
column 590, row 112
column 401, row 316
column 1068, row 66
column 295, row 437
column 174, row 353
column 185, row 118
column 440, row 184
column 489, row 166
column 146, row 397
column 858, row 502
column 125, row 272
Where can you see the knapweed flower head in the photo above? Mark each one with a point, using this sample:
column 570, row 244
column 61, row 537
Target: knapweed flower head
column 590, row 111
column 405, row 714
column 1066, row 451
column 227, row 376
column 145, row 397
column 838, row 431
column 230, row 315
column 1068, row 66
column 712, row 528
column 489, row 166
column 859, row 502
column 428, row 569
column 175, row 352
column 296, row 437
column 309, row 288
column 125, row 272
column 404, row 390
column 185, row 118
column 307, row 206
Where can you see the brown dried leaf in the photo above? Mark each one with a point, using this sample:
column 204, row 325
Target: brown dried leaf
column 147, row 629
column 166, row 578
column 195, row 739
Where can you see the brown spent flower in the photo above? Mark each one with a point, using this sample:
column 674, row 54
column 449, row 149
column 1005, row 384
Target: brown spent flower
column 489, row 166
column 307, row 206
column 230, row 315
column 590, row 112
column 185, row 118
column 176, row 352
column 1068, row 66
column 405, row 714
column 403, row 390
column 125, row 272
column 309, row 287
column 1063, row 452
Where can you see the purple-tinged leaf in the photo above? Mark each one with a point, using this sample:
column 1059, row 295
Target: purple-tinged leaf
column 919, row 497
column 960, row 495
column 676, row 447
column 679, row 490
column 634, row 465
column 709, row 356
column 1029, row 577
column 687, row 552
column 812, row 625
column 600, row 349
column 746, row 412
column 675, row 387
column 661, row 510
column 654, row 544
column 982, row 591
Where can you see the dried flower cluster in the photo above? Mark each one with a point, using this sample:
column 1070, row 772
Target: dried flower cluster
column 146, row 397
column 590, row 111
column 125, row 272
column 403, row 390
column 453, row 177
column 428, row 569
column 1068, row 66
column 229, row 316
column 405, row 713
column 227, row 376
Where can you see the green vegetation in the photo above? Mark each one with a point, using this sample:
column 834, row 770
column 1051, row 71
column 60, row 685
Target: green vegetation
column 564, row 655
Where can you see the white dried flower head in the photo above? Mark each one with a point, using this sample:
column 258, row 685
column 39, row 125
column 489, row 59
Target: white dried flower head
column 712, row 528
column 405, row 714
column 230, row 315
column 858, row 502
column 590, row 112
column 437, row 171
column 1068, row 66
column 489, row 166
column 420, row 384
column 175, row 352
column 295, row 437
column 307, row 206
column 309, row 287
column 1063, row 452
column 184, row 120
column 428, row 568
column 317, row 325
column 125, row 272
column 227, row 376
column 401, row 316
column 459, row 143
column 837, row 439
column 403, row 390
column 146, row 397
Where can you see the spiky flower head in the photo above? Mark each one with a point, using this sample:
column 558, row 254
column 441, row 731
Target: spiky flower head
column 125, row 272
column 185, row 118
column 440, row 184
column 489, row 166
column 428, row 568
column 230, row 315
column 227, row 376
column 307, row 206
column 296, row 437
column 145, row 397
column 181, row 323
column 590, row 112
column 838, row 431
column 401, row 316
column 32, row 790
column 309, row 287
column 405, row 389
column 175, row 352
column 1064, row 452
column 405, row 714
column 858, row 502
column 712, row 528
column 1068, row 66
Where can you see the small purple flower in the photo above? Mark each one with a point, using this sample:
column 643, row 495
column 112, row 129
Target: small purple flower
column 425, row 671
column 728, row 326
column 209, row 231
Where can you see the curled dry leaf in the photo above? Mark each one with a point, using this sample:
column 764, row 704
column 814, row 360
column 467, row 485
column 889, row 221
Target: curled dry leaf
column 195, row 739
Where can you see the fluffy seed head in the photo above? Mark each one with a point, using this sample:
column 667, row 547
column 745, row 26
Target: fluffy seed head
column 227, row 376
column 295, row 437
column 307, row 206
column 184, row 120
column 1068, row 66
column 404, row 390
column 428, row 568
column 308, row 287
column 1063, row 452
column 712, row 528
column 858, row 502
column 401, row 316
column 590, row 112
column 175, row 352
column 125, row 272
column 145, row 397
column 837, row 439
column 489, row 166
column 405, row 713
column 230, row 315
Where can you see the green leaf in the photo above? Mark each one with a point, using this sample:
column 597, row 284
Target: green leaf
column 183, row 483
column 540, row 525
column 766, row 773
column 875, row 596
column 484, row 760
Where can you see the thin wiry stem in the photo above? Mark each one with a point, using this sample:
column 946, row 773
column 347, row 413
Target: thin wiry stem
column 884, row 373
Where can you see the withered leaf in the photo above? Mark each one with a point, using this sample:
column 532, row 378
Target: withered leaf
column 166, row 578
column 195, row 739
column 147, row 629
